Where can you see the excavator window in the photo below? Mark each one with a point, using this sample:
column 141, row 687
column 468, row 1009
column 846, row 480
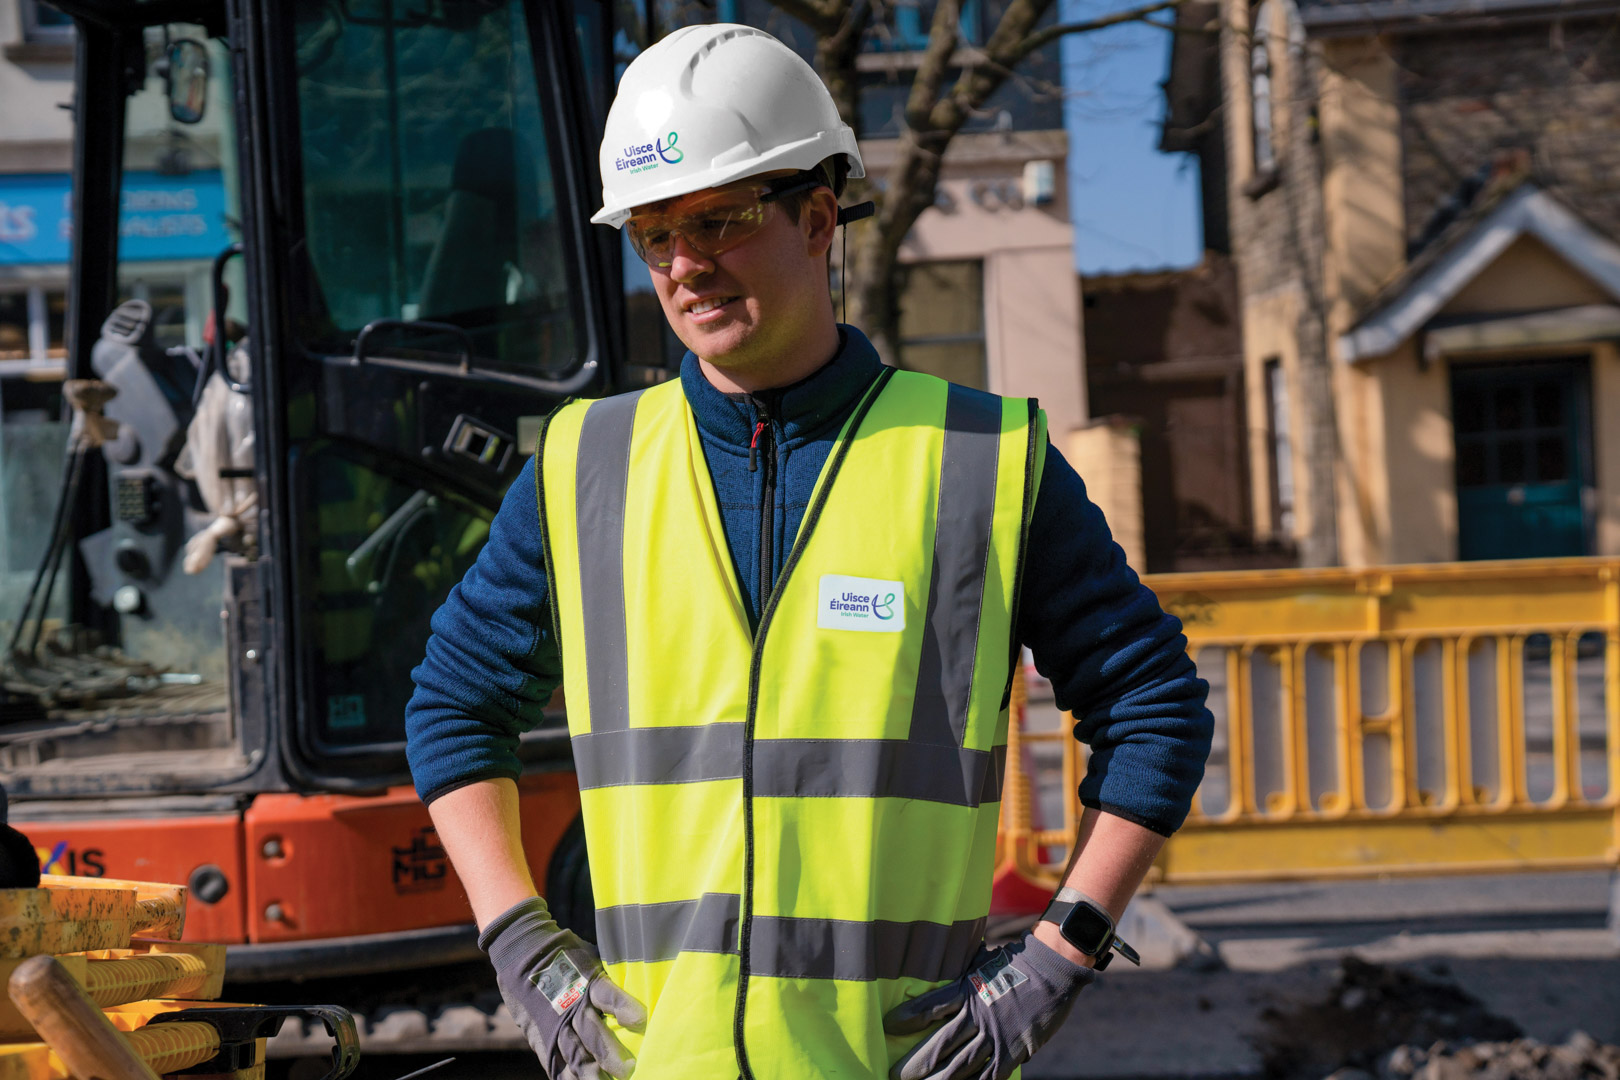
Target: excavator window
column 386, row 553
column 428, row 183
column 80, row 698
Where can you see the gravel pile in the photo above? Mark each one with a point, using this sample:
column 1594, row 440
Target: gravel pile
column 1580, row 1057
column 1371, row 1011
column 1377, row 1021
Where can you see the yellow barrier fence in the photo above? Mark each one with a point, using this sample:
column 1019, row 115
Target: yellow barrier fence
column 1446, row 718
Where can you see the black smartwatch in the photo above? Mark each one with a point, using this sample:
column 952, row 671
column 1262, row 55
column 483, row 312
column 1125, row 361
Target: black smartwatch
column 1087, row 926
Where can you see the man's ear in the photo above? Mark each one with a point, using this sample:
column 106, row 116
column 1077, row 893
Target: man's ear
column 819, row 220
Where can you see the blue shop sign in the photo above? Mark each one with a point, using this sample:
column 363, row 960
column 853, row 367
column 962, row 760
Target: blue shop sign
column 160, row 217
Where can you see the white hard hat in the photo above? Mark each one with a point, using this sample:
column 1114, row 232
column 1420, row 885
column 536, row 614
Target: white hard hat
column 711, row 104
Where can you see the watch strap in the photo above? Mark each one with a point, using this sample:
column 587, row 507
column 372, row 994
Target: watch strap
column 1066, row 900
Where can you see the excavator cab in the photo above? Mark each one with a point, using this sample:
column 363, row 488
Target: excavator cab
column 331, row 266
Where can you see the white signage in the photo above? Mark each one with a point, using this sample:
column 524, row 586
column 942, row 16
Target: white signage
column 858, row 603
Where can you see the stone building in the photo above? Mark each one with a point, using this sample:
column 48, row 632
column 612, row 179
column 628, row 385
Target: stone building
column 1422, row 207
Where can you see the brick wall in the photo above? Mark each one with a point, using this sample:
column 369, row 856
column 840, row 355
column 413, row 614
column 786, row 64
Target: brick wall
column 1552, row 89
column 1276, row 230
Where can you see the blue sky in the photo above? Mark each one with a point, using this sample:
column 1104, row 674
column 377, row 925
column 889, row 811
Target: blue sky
column 1133, row 207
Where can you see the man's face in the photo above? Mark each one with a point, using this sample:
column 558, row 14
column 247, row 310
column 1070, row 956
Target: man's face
column 743, row 309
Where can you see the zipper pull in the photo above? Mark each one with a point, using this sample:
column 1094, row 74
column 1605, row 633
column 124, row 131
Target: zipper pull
column 753, row 447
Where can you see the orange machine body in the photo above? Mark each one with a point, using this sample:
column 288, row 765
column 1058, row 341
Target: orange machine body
column 303, row 867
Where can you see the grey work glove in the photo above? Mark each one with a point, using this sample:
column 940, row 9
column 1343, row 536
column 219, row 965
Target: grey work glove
column 557, row 990
column 995, row 1017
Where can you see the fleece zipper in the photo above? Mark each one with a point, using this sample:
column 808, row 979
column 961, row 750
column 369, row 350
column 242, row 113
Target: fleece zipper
column 767, row 505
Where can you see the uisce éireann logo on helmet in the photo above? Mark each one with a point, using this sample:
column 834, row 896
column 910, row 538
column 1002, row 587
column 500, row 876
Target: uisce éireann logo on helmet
column 641, row 157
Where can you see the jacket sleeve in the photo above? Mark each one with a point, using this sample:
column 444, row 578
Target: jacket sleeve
column 492, row 660
column 1116, row 660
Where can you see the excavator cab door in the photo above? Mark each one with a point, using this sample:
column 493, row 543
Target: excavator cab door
column 430, row 290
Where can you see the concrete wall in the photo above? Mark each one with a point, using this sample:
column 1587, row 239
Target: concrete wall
column 1364, row 246
column 1033, row 336
column 1361, row 153
column 35, row 134
column 1107, row 454
column 1270, row 323
column 1606, row 432
column 1526, row 277
column 1032, row 331
column 1415, row 469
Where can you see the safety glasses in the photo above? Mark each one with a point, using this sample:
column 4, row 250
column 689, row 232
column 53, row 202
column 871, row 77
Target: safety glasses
column 711, row 222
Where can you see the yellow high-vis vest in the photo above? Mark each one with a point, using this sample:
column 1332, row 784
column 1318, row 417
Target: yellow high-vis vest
column 790, row 831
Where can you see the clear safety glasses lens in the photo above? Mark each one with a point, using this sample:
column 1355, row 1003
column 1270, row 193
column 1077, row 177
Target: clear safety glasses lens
column 710, row 225
column 711, row 228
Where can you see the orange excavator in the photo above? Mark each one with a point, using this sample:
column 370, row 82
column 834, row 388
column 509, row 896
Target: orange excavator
column 330, row 267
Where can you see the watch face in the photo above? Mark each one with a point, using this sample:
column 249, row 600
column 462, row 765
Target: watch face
column 1087, row 929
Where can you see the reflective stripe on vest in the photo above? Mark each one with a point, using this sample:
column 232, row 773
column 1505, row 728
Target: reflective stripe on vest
column 790, row 831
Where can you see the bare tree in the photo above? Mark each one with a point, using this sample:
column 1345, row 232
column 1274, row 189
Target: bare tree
column 936, row 110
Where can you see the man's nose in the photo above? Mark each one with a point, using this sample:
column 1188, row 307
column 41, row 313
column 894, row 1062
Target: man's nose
column 686, row 263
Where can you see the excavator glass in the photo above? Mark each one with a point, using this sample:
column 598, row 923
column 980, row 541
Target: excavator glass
column 428, row 181
column 108, row 514
column 253, row 544
column 437, row 211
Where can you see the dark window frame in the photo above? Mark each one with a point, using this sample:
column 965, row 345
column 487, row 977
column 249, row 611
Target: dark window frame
column 35, row 32
column 1279, row 450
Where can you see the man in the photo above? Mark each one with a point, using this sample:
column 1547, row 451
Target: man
column 785, row 595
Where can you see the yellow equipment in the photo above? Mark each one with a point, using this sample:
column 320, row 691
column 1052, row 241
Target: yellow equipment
column 1446, row 718
column 119, row 951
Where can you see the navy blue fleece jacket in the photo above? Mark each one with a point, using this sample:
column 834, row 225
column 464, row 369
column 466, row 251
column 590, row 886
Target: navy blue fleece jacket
column 1114, row 657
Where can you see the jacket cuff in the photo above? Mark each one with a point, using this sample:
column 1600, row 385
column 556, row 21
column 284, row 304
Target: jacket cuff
column 464, row 781
column 1129, row 815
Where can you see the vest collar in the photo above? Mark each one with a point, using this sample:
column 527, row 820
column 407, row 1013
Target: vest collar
column 803, row 410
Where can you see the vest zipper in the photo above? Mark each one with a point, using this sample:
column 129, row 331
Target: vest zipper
column 764, row 436
column 768, row 597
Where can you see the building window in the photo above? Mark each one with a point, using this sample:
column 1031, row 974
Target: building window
column 1281, row 450
column 913, row 20
column 1260, row 91
column 942, row 321
column 33, row 325
column 42, row 23
column 14, row 326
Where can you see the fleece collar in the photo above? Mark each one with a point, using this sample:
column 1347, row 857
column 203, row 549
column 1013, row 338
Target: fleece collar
column 802, row 412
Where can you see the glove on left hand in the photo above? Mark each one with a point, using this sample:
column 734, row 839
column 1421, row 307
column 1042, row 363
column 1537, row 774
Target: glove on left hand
column 557, row 990
column 995, row 1017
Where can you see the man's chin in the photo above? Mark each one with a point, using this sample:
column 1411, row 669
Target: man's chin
column 726, row 347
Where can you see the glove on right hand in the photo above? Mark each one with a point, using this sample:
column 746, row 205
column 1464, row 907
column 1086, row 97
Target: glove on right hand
column 557, row 990
column 994, row 1018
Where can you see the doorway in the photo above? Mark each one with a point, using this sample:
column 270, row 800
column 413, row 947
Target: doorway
column 1523, row 439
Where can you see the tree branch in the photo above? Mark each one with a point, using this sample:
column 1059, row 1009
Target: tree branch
column 1052, row 33
column 836, row 55
column 822, row 19
column 936, row 61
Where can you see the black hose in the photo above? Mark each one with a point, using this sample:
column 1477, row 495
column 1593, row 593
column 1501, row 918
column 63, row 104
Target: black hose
column 59, row 543
column 70, row 470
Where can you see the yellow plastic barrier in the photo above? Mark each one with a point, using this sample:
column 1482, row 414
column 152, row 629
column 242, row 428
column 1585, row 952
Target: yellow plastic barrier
column 1445, row 718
